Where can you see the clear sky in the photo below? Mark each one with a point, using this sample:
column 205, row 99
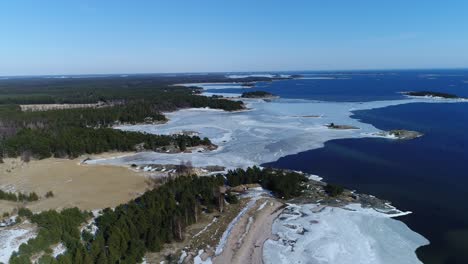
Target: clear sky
column 113, row 36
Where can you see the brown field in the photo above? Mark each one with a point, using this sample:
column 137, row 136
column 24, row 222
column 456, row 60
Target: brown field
column 84, row 186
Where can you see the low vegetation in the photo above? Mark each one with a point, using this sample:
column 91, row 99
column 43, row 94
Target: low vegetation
column 333, row 190
column 72, row 142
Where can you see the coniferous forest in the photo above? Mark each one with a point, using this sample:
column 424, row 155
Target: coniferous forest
column 145, row 224
column 68, row 133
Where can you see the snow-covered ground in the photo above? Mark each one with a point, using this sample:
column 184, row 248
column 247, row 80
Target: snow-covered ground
column 312, row 234
column 12, row 237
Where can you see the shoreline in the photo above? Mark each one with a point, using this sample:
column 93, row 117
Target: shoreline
column 369, row 105
column 244, row 251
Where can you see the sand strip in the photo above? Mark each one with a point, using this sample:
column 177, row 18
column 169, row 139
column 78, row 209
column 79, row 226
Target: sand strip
column 245, row 244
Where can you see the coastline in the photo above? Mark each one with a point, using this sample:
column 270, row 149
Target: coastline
column 256, row 125
column 253, row 106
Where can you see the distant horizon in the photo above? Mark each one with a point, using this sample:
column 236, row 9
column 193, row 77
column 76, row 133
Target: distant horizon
column 226, row 72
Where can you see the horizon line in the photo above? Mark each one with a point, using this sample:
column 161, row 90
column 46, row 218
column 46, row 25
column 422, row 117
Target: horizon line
column 220, row 72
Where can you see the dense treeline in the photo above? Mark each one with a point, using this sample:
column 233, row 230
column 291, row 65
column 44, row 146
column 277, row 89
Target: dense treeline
column 284, row 184
column 71, row 142
column 93, row 89
column 145, row 224
column 20, row 197
column 12, row 119
column 71, row 132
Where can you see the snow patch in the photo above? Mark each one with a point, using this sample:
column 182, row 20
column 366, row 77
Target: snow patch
column 11, row 238
column 262, row 206
column 58, row 250
column 215, row 219
column 182, row 257
column 198, row 259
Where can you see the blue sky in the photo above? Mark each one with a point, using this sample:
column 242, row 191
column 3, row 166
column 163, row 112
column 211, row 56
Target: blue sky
column 81, row 37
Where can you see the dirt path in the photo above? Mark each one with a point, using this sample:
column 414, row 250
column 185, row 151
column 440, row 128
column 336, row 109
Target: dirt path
column 245, row 244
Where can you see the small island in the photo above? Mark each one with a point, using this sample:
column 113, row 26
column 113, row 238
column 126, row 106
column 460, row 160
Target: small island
column 400, row 134
column 248, row 84
column 340, row 127
column 432, row 94
column 258, row 95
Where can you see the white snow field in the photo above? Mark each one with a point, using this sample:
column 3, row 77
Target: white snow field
column 318, row 235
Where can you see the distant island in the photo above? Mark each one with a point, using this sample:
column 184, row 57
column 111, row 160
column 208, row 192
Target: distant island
column 340, row 127
column 258, row 94
column 401, row 134
column 433, row 94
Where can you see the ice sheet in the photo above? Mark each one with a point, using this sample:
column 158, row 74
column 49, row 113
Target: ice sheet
column 337, row 235
column 268, row 131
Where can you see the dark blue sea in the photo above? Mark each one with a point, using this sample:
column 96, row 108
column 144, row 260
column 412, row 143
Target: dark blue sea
column 427, row 175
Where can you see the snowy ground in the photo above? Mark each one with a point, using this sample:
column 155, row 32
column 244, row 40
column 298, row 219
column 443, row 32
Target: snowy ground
column 12, row 237
column 312, row 234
